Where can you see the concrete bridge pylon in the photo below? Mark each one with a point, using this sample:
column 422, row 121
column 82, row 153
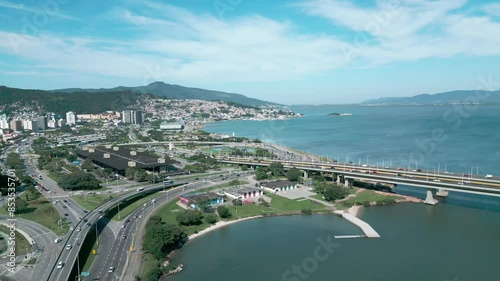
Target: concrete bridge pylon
column 430, row 200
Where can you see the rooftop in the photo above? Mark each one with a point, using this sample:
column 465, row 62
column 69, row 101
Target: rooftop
column 119, row 159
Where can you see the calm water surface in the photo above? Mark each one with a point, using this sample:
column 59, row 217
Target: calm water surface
column 457, row 239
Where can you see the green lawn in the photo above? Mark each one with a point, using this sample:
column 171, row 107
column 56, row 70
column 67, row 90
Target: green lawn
column 283, row 204
column 127, row 210
column 223, row 185
column 170, row 211
column 44, row 213
column 90, row 258
column 21, row 242
column 366, row 196
column 91, row 201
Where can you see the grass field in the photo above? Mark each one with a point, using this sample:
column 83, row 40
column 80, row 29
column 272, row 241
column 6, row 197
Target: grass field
column 44, row 213
column 91, row 201
column 21, row 242
column 284, row 205
column 365, row 196
column 127, row 210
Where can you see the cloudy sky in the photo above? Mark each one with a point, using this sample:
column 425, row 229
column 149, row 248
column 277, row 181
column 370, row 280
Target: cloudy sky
column 288, row 51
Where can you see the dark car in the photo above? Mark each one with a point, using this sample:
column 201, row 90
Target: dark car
column 66, row 214
column 64, row 206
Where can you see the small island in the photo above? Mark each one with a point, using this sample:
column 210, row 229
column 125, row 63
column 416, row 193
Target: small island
column 339, row 114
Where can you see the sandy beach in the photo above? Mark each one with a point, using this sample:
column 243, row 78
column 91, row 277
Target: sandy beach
column 218, row 225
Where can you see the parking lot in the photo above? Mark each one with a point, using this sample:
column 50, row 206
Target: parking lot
column 297, row 193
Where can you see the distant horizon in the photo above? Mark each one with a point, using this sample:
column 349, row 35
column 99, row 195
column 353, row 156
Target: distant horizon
column 293, row 104
column 299, row 51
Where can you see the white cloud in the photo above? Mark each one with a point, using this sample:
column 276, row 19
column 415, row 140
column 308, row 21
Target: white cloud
column 492, row 9
column 51, row 8
column 409, row 30
column 176, row 45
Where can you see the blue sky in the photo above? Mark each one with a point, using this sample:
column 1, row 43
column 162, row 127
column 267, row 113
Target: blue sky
column 293, row 52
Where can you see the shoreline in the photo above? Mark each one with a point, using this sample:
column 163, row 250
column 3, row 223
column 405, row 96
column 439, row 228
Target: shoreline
column 218, row 225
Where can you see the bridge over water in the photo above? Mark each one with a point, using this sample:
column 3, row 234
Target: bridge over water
column 346, row 173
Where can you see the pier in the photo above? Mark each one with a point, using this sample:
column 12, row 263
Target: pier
column 366, row 228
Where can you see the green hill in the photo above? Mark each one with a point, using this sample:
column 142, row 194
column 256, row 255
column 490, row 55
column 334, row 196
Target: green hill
column 161, row 89
column 60, row 103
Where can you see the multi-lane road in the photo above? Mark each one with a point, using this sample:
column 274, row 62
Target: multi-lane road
column 115, row 256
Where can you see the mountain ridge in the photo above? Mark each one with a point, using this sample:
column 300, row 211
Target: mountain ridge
column 174, row 91
column 457, row 96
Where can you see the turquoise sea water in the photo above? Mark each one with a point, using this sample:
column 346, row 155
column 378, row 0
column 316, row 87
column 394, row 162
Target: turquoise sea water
column 455, row 240
column 429, row 137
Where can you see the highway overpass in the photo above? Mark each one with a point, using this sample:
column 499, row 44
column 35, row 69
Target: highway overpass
column 346, row 173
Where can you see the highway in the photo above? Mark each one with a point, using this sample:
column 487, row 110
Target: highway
column 121, row 246
column 47, row 255
column 448, row 181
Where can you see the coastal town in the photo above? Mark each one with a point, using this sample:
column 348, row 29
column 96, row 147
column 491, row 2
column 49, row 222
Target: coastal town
column 90, row 159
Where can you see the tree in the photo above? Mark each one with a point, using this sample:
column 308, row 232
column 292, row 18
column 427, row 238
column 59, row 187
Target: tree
column 276, row 169
column 189, row 217
column 87, row 165
column 237, row 202
column 293, row 174
column 333, row 193
column 14, row 161
column 161, row 239
column 224, row 212
column 71, row 157
column 80, row 180
column 261, row 173
column 244, row 167
column 211, row 218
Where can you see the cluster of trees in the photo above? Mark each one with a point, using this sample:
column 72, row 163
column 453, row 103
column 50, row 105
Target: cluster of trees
column 189, row 217
column 329, row 191
column 14, row 161
column 80, row 180
column 276, row 170
column 90, row 102
column 206, row 212
column 159, row 241
column 137, row 174
column 203, row 163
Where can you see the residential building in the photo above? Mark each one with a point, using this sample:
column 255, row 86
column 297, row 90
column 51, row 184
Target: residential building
column 42, row 122
column 242, row 192
column 278, row 185
column 70, row 118
column 132, row 117
column 16, row 125
column 193, row 200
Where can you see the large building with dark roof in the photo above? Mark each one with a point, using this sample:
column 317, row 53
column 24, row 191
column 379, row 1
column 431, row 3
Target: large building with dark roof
column 120, row 158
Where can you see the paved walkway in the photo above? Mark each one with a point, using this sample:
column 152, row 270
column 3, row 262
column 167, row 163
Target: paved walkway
column 367, row 229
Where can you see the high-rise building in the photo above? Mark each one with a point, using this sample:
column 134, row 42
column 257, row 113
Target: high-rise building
column 126, row 116
column 132, row 116
column 4, row 122
column 70, row 118
column 137, row 117
column 16, row 125
column 42, row 122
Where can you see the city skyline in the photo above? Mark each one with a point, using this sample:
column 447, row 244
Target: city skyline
column 300, row 52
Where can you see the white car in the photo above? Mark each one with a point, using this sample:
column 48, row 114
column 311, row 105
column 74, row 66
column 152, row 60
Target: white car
column 111, row 269
column 68, row 247
column 60, row 264
column 71, row 228
column 78, row 229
